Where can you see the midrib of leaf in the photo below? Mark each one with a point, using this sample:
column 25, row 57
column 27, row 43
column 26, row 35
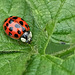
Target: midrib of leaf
column 61, row 5
column 11, row 2
column 49, row 37
column 66, row 20
column 45, row 27
column 53, row 20
column 38, row 24
column 56, row 16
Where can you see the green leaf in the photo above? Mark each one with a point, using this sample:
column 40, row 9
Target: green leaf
column 53, row 48
column 65, row 22
column 65, row 53
column 50, row 15
column 44, row 22
column 69, row 64
column 49, row 65
column 49, row 20
column 13, row 63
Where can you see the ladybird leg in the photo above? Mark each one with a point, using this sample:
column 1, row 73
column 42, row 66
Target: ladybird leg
column 29, row 41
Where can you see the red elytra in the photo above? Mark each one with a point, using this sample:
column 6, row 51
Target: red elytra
column 15, row 27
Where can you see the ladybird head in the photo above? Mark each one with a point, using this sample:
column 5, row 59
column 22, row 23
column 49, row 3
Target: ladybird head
column 26, row 37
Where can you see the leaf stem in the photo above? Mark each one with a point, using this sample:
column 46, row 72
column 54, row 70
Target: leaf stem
column 51, row 32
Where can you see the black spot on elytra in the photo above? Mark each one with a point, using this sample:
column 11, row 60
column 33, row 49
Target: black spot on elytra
column 7, row 24
column 10, row 34
column 16, row 35
column 27, row 26
column 19, row 32
column 5, row 20
column 5, row 27
column 21, row 22
column 11, row 28
column 10, row 21
column 23, row 29
column 15, row 17
column 17, row 25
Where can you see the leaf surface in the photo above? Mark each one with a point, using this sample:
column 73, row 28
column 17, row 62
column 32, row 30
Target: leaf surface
column 49, row 20
column 49, row 65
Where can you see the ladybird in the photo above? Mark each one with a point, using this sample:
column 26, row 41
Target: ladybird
column 17, row 28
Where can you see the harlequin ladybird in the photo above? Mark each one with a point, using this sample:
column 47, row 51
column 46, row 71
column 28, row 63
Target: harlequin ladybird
column 17, row 28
